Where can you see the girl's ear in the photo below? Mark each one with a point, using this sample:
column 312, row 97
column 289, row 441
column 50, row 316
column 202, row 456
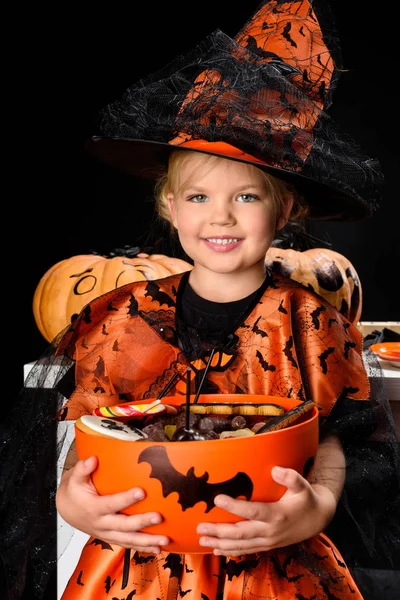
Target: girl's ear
column 285, row 210
column 172, row 209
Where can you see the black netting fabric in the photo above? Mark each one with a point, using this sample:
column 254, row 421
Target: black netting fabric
column 30, row 447
column 367, row 522
column 222, row 91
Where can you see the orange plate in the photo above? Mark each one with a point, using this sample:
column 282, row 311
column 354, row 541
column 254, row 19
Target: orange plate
column 387, row 351
column 182, row 478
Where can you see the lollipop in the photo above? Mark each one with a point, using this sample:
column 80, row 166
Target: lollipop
column 134, row 411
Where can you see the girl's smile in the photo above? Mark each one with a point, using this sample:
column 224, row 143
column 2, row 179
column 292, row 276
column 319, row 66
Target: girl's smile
column 223, row 243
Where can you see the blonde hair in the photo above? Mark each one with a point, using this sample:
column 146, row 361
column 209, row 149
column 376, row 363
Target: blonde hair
column 169, row 182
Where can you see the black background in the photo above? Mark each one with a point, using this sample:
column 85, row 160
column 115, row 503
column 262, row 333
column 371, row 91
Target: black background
column 71, row 59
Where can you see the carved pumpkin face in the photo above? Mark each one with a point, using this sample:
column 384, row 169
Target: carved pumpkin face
column 181, row 479
column 328, row 273
column 70, row 284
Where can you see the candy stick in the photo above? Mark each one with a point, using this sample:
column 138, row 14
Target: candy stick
column 187, row 433
column 204, row 376
column 169, row 384
column 151, row 405
column 288, row 418
column 188, row 399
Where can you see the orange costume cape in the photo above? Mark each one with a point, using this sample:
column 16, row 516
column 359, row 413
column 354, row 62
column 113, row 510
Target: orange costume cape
column 290, row 343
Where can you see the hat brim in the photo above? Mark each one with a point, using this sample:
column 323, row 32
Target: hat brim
column 147, row 159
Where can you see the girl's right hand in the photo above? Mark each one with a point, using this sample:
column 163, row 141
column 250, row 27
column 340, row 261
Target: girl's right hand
column 81, row 506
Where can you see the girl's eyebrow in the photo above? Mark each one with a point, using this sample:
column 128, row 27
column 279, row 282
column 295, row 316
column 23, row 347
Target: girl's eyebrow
column 200, row 190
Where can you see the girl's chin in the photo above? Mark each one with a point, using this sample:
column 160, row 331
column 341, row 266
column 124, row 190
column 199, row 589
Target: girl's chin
column 231, row 268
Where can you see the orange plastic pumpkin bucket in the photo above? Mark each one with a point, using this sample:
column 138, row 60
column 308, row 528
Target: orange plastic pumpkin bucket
column 181, row 479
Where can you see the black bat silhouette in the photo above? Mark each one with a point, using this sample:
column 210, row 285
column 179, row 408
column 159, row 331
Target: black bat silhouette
column 264, row 363
column 322, row 359
column 347, row 347
column 108, row 583
column 315, row 316
column 282, row 570
column 139, row 560
column 288, row 351
column 235, row 568
column 339, row 562
column 187, row 569
column 190, row 488
column 129, row 596
column 174, row 563
column 104, row 545
column 281, row 308
column 257, row 330
column 110, row 307
column 133, row 306
column 153, row 290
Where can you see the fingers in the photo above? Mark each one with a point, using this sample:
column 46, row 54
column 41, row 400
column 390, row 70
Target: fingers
column 140, row 541
column 79, row 503
column 114, row 503
column 128, row 531
column 291, row 479
column 229, row 539
column 81, row 472
column 132, row 523
column 241, row 508
column 264, row 526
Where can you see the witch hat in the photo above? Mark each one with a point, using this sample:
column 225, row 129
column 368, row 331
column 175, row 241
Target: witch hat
column 259, row 98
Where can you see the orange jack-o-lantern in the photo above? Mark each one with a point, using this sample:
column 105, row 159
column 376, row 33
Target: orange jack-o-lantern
column 70, row 284
column 181, row 479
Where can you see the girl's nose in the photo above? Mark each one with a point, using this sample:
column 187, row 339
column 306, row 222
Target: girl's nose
column 222, row 214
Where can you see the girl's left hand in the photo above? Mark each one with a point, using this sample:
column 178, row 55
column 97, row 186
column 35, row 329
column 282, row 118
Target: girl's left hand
column 302, row 512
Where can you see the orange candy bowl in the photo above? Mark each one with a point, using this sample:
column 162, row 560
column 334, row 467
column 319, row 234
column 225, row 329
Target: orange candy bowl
column 181, row 479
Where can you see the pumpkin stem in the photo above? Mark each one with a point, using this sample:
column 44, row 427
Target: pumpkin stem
column 127, row 251
column 296, row 237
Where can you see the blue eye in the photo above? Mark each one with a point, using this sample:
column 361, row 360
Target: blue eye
column 247, row 198
column 198, row 198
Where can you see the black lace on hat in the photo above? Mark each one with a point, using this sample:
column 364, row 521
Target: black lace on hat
column 259, row 98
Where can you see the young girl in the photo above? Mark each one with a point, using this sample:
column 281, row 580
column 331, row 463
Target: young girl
column 238, row 130
column 226, row 214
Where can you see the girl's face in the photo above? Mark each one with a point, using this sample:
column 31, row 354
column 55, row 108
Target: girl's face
column 224, row 214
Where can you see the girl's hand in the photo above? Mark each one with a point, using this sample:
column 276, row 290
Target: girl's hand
column 81, row 506
column 302, row 512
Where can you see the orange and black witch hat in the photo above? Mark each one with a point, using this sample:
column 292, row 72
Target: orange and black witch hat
column 259, row 98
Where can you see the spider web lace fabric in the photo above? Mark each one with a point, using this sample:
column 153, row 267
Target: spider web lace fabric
column 225, row 91
column 30, row 447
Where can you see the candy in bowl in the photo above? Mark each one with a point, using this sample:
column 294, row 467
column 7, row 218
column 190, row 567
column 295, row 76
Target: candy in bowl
column 182, row 478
